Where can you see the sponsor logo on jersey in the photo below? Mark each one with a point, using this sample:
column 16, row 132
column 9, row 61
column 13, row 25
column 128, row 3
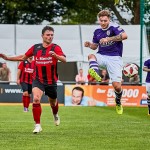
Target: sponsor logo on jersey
column 29, row 70
column 107, row 44
column 43, row 60
column 108, row 32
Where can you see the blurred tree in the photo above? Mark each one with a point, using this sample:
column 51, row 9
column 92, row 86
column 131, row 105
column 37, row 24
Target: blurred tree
column 28, row 11
column 147, row 13
column 85, row 11
column 70, row 11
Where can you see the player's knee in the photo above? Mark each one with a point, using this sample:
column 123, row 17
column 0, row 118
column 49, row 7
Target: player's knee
column 53, row 104
column 117, row 88
column 36, row 99
column 91, row 56
column 52, row 101
column 25, row 93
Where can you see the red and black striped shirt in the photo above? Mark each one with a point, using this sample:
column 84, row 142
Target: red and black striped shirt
column 27, row 70
column 45, row 64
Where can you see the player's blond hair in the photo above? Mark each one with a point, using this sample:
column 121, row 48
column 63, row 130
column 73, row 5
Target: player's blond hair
column 104, row 13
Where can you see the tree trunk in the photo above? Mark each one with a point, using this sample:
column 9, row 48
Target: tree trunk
column 136, row 14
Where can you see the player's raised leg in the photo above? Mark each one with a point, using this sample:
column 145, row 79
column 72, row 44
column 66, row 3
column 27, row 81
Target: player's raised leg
column 93, row 67
column 114, row 67
column 36, row 109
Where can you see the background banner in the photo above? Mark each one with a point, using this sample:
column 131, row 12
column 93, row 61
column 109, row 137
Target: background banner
column 101, row 95
column 13, row 94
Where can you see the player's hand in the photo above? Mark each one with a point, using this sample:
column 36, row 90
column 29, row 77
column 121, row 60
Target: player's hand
column 52, row 53
column 103, row 40
column 87, row 44
column 18, row 82
column 3, row 56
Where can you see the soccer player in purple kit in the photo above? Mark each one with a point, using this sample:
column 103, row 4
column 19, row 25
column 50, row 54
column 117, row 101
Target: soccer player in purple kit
column 108, row 39
column 146, row 68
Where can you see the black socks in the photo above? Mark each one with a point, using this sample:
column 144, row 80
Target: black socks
column 118, row 97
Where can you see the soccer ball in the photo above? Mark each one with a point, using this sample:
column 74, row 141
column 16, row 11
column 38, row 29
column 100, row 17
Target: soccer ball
column 129, row 70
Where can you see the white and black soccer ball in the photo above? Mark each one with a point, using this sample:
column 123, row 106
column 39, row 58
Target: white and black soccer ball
column 129, row 70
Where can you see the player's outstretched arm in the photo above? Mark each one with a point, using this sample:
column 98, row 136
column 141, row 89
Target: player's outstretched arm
column 14, row 58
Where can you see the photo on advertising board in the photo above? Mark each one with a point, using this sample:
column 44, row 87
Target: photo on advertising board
column 76, row 95
column 97, row 95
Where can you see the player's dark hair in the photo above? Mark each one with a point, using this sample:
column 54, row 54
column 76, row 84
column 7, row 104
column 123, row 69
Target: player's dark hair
column 47, row 28
column 104, row 13
column 79, row 89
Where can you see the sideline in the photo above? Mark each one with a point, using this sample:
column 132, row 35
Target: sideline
column 20, row 104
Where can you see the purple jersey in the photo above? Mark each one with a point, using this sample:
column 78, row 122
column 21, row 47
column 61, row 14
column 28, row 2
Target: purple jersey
column 147, row 64
column 110, row 48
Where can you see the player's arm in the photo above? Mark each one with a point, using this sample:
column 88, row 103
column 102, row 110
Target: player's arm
column 14, row 58
column 59, row 57
column 92, row 46
column 120, row 37
column 146, row 69
column 18, row 76
column 58, row 54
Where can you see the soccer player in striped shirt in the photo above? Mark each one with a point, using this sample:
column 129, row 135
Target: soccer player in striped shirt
column 24, row 78
column 46, row 56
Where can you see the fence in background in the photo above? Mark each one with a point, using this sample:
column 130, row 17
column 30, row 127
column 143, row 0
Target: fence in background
column 71, row 38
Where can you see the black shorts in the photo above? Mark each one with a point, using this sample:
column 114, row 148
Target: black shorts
column 26, row 87
column 49, row 89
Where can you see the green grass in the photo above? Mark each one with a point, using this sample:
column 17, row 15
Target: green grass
column 81, row 128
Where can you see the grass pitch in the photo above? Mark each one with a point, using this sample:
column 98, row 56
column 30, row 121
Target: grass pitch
column 81, row 128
